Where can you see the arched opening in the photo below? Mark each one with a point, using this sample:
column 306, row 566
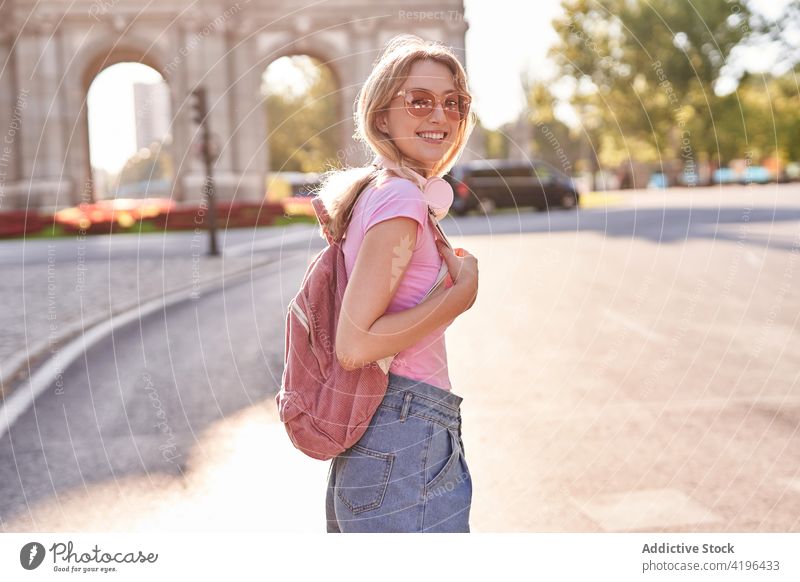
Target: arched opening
column 129, row 116
column 303, row 122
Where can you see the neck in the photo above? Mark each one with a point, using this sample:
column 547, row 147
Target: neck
column 426, row 171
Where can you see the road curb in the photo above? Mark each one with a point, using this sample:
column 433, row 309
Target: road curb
column 82, row 337
column 13, row 369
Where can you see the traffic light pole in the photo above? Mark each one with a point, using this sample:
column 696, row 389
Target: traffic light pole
column 201, row 117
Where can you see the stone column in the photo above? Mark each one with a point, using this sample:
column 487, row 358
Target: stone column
column 247, row 141
column 74, row 102
column 42, row 151
column 10, row 134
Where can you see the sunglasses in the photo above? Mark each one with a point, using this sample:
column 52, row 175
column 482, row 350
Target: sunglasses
column 420, row 103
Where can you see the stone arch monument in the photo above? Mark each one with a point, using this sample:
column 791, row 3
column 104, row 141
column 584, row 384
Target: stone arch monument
column 51, row 51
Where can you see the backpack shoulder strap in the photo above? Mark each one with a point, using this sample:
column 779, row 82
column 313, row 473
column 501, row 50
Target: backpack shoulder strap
column 443, row 271
column 322, row 216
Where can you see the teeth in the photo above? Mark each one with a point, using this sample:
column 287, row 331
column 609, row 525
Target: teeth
column 431, row 134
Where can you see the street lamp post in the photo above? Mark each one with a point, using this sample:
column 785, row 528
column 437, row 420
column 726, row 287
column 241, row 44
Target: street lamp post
column 200, row 117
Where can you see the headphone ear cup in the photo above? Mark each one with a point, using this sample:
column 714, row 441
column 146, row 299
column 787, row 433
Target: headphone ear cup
column 439, row 195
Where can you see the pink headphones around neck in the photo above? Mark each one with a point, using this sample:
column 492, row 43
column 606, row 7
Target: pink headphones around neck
column 437, row 191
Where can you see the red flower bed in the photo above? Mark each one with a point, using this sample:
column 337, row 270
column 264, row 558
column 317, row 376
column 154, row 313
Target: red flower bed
column 21, row 222
column 123, row 215
column 107, row 216
column 229, row 215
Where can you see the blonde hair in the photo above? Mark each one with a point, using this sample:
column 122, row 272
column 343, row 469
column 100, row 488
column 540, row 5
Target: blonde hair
column 340, row 189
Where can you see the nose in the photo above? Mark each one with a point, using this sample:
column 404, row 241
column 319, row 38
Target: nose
column 438, row 114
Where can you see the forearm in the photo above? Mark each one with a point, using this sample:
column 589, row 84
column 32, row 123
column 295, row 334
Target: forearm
column 393, row 332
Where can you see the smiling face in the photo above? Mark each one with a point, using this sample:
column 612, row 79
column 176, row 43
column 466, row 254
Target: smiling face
column 423, row 140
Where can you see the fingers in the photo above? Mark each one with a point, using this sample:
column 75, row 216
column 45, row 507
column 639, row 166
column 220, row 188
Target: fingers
column 443, row 248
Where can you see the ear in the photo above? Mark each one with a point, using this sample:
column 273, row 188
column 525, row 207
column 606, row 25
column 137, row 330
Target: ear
column 382, row 122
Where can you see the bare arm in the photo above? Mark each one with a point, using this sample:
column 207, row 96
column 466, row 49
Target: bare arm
column 365, row 332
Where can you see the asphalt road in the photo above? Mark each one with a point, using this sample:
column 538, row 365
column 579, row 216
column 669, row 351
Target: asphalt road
column 629, row 368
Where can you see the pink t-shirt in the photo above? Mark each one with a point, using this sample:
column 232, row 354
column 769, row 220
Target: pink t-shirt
column 392, row 197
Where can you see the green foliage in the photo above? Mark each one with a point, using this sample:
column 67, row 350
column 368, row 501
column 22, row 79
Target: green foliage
column 646, row 72
column 551, row 139
column 496, row 142
column 303, row 124
column 151, row 163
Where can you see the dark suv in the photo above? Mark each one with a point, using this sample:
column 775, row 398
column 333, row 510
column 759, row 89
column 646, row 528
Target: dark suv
column 489, row 184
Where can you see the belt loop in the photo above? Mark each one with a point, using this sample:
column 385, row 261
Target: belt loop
column 460, row 440
column 406, row 404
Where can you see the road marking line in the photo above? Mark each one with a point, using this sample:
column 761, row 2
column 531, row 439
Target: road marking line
column 645, row 509
column 636, row 327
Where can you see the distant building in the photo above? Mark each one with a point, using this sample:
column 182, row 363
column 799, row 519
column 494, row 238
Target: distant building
column 151, row 106
column 102, row 183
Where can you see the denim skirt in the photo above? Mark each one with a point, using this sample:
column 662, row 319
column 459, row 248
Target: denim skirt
column 408, row 472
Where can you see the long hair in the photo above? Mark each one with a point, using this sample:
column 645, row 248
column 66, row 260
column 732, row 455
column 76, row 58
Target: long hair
column 340, row 189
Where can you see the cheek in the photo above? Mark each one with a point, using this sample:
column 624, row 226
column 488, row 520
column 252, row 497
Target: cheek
column 394, row 122
column 451, row 133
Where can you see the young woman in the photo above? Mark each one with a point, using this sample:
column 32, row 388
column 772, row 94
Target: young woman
column 408, row 472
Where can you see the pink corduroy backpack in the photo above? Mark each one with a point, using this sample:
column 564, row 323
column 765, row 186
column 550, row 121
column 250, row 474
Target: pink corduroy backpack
column 325, row 408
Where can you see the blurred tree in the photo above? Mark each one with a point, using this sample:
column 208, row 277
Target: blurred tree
column 303, row 126
column 647, row 69
column 551, row 139
column 148, row 164
column 761, row 119
column 496, row 141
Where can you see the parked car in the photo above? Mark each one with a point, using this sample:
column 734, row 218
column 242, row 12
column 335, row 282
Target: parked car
column 749, row 175
column 658, row 181
column 725, row 176
column 486, row 185
column 756, row 175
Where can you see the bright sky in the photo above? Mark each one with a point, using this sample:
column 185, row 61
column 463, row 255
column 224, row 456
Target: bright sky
column 505, row 37
column 112, row 125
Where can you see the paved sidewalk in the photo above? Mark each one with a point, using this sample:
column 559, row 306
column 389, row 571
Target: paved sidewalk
column 45, row 305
